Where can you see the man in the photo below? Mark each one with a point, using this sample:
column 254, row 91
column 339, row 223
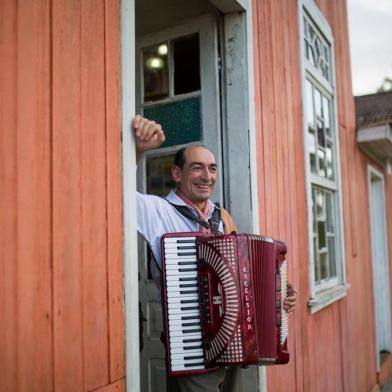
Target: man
column 195, row 175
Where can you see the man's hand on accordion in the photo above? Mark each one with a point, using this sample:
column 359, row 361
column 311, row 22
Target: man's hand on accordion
column 289, row 303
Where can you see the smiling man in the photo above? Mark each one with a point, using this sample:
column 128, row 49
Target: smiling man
column 187, row 208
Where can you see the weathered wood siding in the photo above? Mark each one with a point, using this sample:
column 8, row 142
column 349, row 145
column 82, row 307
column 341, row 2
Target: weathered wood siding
column 61, row 302
column 333, row 349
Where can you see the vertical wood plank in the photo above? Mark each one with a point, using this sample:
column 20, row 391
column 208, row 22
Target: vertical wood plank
column 8, row 192
column 114, row 195
column 66, row 182
column 34, row 308
column 93, row 195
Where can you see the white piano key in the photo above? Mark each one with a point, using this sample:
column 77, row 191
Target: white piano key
column 187, row 349
column 180, row 268
column 181, row 310
column 190, row 337
column 188, row 355
column 177, row 239
column 182, row 294
column 175, row 257
column 184, row 328
column 194, row 314
column 181, row 261
column 183, row 332
column 189, row 361
column 182, row 246
column 178, row 368
column 191, row 299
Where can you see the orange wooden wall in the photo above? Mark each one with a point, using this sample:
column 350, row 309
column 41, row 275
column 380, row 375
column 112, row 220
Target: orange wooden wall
column 333, row 349
column 61, row 303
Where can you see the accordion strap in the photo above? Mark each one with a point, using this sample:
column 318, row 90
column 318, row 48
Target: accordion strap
column 212, row 224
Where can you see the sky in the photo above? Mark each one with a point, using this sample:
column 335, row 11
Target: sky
column 370, row 27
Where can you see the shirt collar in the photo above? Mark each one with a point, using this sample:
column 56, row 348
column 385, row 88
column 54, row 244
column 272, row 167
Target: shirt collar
column 173, row 198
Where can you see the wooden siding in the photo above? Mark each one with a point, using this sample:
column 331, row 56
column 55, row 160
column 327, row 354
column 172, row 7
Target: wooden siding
column 333, row 349
column 61, row 297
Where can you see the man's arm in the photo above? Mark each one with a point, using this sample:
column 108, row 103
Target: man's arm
column 148, row 135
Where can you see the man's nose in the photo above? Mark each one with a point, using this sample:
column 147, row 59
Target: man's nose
column 206, row 174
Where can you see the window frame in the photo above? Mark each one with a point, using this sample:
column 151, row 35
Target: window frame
column 321, row 295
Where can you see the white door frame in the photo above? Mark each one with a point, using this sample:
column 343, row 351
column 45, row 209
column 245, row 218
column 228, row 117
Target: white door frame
column 236, row 144
column 374, row 173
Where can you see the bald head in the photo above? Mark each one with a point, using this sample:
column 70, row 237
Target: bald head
column 195, row 172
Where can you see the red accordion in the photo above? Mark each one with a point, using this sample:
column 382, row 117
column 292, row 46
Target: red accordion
column 223, row 301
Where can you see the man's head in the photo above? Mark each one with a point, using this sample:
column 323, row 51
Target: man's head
column 195, row 173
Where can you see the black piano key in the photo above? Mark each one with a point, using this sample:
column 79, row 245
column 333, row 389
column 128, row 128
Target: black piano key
column 191, row 340
column 189, row 301
column 190, row 324
column 186, row 247
column 186, row 263
column 190, row 317
column 185, row 241
column 184, row 308
column 188, row 292
column 188, row 278
column 193, row 357
column 186, row 254
column 191, row 330
column 193, row 347
column 193, row 364
column 187, row 269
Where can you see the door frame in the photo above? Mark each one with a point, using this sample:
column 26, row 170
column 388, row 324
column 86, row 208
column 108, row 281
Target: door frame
column 239, row 149
column 374, row 173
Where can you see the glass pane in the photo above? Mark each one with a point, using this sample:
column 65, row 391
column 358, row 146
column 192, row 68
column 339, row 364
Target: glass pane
column 180, row 120
column 322, row 242
column 328, row 153
column 159, row 179
column 323, row 266
column 330, row 213
column 312, row 151
column 316, row 262
column 313, row 206
column 317, row 102
column 156, row 72
column 326, row 116
column 332, row 256
column 186, row 58
column 320, row 133
column 309, row 103
column 321, row 162
column 320, row 205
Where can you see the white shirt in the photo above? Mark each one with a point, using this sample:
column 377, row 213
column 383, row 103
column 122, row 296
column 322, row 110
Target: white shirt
column 156, row 217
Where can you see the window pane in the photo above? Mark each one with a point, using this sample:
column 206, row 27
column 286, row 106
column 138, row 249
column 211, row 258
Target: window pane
column 156, row 72
column 320, row 133
column 332, row 256
column 330, row 213
column 320, row 205
column 312, row 151
column 180, row 120
column 317, row 102
column 316, row 263
column 321, row 162
column 323, row 266
column 322, row 242
column 186, row 58
column 326, row 116
column 309, row 103
column 159, row 179
column 328, row 154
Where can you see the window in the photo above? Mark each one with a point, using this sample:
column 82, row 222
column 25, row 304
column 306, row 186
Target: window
column 326, row 266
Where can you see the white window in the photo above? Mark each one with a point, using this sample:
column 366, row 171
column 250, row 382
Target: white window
column 326, row 259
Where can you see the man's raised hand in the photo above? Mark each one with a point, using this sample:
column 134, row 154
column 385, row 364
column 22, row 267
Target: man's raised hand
column 148, row 134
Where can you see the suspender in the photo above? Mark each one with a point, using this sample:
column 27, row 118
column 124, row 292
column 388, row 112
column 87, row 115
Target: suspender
column 213, row 222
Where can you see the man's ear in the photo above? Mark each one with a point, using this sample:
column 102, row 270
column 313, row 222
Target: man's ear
column 176, row 173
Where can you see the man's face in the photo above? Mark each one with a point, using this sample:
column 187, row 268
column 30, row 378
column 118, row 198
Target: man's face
column 198, row 176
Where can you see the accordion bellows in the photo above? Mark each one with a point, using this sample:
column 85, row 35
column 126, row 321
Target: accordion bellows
column 223, row 301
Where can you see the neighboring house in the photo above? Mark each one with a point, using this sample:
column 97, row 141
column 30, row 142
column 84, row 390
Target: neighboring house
column 266, row 84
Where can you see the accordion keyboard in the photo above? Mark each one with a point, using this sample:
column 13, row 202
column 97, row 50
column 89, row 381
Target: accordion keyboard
column 184, row 329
